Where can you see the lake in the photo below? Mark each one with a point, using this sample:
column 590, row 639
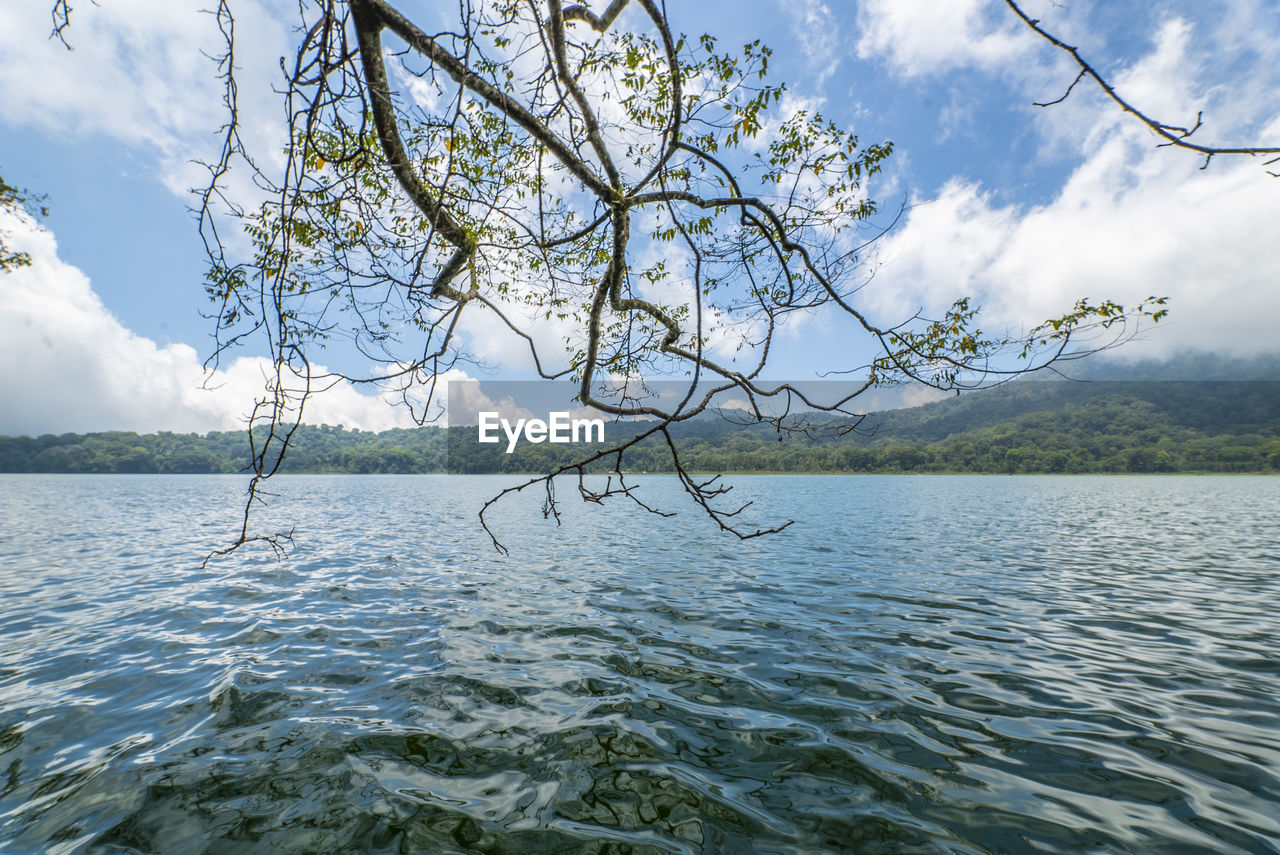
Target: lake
column 958, row 664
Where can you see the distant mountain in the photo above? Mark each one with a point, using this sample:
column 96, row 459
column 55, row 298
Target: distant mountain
column 1193, row 365
column 1212, row 407
column 1025, row 426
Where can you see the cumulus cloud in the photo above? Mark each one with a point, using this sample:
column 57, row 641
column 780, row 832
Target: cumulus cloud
column 141, row 73
column 1129, row 223
column 72, row 366
column 468, row 399
column 1131, row 220
column 920, row 37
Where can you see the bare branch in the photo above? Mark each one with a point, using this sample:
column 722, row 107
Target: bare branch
column 1173, row 135
column 589, row 189
column 61, row 15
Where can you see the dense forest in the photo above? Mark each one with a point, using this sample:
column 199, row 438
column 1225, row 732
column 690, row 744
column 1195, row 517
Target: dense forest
column 1024, row 427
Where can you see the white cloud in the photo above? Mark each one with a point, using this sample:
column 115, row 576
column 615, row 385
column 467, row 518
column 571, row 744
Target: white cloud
column 920, row 37
column 816, row 29
column 121, row 77
column 140, row 73
column 492, row 342
column 1130, row 222
column 467, row 399
column 70, row 365
column 1224, row 62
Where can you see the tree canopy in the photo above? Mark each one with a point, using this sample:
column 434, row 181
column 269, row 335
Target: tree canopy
column 1105, row 426
column 620, row 198
column 19, row 202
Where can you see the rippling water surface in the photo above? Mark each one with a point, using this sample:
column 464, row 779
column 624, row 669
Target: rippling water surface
column 921, row 664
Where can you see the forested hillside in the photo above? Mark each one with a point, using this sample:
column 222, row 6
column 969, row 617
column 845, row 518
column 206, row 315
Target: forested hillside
column 1115, row 426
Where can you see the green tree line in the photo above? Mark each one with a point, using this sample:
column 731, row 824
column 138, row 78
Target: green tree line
column 1025, row 427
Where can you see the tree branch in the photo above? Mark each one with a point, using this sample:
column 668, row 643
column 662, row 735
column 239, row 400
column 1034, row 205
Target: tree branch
column 1173, row 135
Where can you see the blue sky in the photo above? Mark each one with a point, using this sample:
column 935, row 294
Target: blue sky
column 1024, row 208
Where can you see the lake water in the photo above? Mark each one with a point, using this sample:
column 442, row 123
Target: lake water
column 920, row 664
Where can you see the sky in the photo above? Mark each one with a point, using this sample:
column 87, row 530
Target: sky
column 1026, row 209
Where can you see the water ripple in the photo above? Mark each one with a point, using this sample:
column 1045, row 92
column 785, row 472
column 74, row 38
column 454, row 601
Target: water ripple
column 924, row 664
